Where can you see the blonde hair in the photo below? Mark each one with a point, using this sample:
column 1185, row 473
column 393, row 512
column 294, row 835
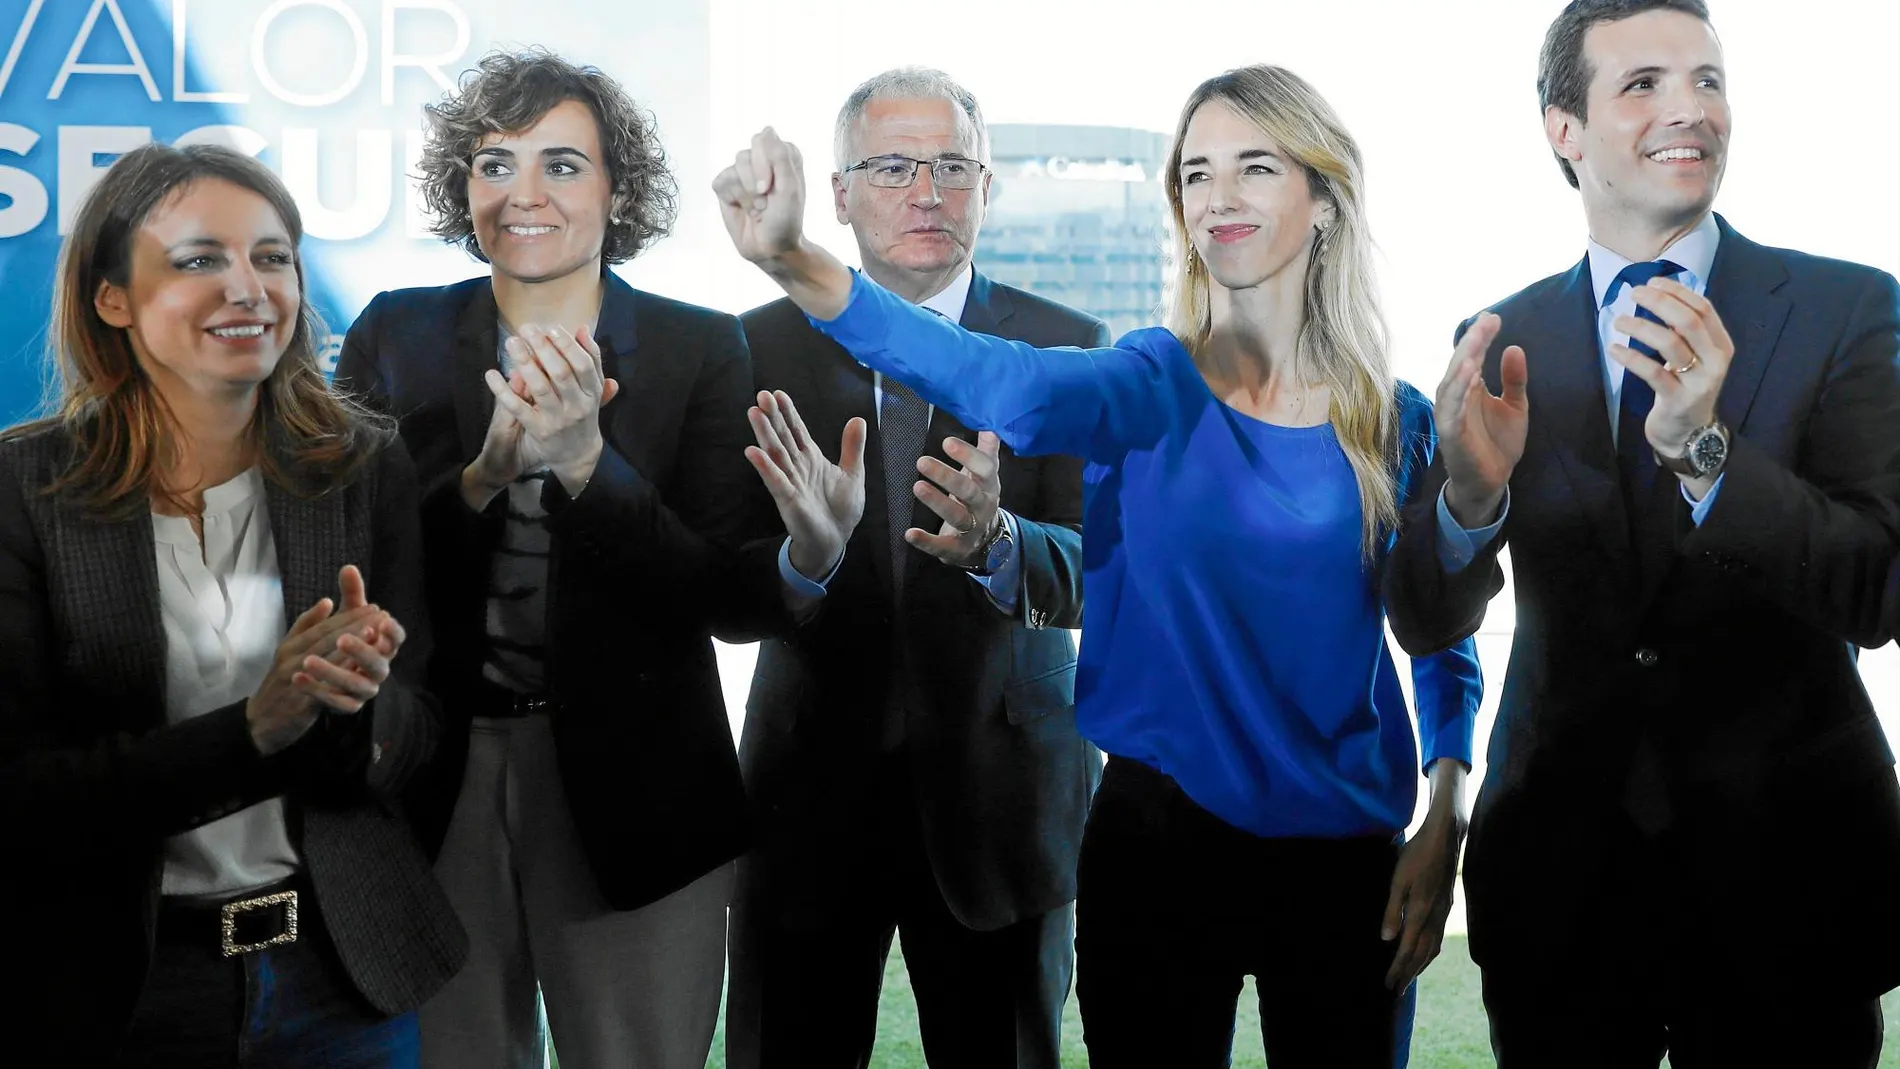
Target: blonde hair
column 1343, row 340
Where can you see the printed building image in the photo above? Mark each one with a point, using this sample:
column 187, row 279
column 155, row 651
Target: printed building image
column 1077, row 215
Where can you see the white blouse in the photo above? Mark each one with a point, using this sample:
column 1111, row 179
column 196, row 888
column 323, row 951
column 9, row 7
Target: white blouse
column 223, row 608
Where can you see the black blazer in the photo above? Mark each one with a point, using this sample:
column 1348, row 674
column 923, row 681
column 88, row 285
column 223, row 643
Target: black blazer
column 641, row 568
column 93, row 780
column 1703, row 686
column 1004, row 779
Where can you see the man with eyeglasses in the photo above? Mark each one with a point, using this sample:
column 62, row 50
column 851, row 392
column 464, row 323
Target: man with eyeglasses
column 911, row 752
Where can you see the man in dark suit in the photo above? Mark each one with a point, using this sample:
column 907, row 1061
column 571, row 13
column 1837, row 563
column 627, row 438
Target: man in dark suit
column 582, row 546
column 1689, row 837
column 911, row 751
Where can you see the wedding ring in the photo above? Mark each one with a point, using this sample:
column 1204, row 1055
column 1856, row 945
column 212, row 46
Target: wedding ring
column 1690, row 366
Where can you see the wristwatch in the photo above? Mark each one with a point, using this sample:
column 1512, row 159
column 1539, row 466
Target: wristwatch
column 993, row 553
column 1703, row 456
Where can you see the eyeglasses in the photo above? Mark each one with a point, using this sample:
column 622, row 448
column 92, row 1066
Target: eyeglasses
column 898, row 172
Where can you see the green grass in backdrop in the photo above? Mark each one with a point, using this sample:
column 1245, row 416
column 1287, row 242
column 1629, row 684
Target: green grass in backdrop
column 1450, row 1033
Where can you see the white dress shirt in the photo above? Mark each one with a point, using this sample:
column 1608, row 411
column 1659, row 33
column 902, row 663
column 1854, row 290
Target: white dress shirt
column 222, row 603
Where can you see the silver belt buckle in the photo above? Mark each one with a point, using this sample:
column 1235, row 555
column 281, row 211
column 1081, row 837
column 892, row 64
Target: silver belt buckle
column 227, row 926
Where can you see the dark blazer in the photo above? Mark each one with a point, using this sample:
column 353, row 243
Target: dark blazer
column 1701, row 687
column 1004, row 780
column 93, row 779
column 639, row 574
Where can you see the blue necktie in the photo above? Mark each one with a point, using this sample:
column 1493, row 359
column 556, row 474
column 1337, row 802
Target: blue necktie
column 1633, row 457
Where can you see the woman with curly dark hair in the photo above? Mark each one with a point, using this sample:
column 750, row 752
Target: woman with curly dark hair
column 213, row 648
column 580, row 552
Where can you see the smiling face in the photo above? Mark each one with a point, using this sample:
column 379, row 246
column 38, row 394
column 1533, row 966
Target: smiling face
column 1656, row 139
column 1247, row 207
column 920, row 229
column 540, row 197
column 212, row 297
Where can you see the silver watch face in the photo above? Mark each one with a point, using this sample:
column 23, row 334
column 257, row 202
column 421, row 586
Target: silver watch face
column 999, row 551
column 1708, row 451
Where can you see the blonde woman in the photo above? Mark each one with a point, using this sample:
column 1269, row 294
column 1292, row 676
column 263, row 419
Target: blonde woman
column 1246, row 465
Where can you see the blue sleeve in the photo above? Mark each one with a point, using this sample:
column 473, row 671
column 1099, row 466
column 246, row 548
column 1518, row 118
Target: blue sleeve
column 1090, row 403
column 1456, row 545
column 1448, row 687
column 1699, row 510
column 797, row 585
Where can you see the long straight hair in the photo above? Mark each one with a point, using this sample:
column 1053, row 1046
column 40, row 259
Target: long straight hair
column 307, row 439
column 1343, row 340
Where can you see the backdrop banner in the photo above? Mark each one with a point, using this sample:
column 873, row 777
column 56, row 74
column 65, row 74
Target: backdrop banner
column 328, row 93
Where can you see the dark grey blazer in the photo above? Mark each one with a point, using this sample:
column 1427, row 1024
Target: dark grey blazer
column 1004, row 781
column 93, row 780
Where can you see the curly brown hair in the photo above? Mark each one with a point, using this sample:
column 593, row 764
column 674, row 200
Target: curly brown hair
column 510, row 91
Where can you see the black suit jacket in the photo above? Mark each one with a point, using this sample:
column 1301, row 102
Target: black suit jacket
column 93, row 779
column 1003, row 779
column 1703, row 685
column 642, row 567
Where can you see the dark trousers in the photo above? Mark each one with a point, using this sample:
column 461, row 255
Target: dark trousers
column 1638, row 985
column 283, row 1007
column 1176, row 907
column 803, row 992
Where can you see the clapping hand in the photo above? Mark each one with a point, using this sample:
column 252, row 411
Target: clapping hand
column 819, row 502
column 969, row 500
column 1481, row 434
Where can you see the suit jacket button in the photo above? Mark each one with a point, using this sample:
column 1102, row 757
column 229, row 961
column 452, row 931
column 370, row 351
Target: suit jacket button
column 1647, row 657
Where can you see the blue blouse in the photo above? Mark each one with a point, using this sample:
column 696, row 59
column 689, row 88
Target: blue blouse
column 1233, row 636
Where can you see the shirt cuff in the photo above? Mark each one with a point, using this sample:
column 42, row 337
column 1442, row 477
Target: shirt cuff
column 798, row 589
column 1002, row 584
column 1456, row 545
column 1699, row 510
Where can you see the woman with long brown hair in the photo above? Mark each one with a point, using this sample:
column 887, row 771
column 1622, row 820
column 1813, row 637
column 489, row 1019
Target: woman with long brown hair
column 1245, row 467
column 209, row 591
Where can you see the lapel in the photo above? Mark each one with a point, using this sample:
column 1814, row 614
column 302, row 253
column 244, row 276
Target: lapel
column 1742, row 281
column 477, row 334
column 1568, row 403
column 312, row 540
column 852, row 388
column 118, row 633
column 615, row 335
column 1742, row 285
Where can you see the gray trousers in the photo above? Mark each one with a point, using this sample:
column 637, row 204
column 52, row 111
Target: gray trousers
column 623, row 990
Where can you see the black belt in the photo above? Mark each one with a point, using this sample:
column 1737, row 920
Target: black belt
column 243, row 923
column 495, row 700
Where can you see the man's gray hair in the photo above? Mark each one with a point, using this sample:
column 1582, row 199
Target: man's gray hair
column 906, row 82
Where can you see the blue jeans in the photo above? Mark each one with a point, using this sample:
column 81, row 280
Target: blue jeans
column 290, row 1005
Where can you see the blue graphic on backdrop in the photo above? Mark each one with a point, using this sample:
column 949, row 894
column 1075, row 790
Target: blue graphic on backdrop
column 328, row 93
column 325, row 92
